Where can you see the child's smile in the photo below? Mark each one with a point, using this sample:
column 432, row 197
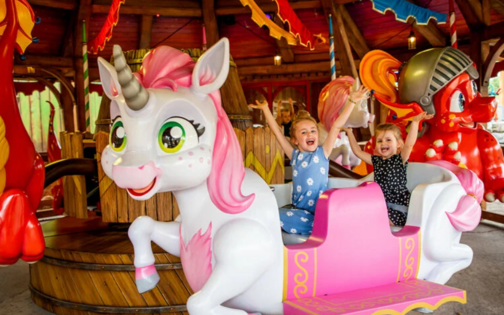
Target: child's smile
column 306, row 136
column 386, row 144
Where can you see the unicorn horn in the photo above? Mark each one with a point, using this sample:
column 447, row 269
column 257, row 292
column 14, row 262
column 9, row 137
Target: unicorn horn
column 135, row 95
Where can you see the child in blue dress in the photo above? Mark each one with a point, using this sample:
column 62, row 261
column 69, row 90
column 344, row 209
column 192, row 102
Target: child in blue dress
column 310, row 164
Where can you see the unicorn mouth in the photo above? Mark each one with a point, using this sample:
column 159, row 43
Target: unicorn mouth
column 142, row 191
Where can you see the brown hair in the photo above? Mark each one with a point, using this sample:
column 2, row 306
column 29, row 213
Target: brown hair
column 300, row 116
column 390, row 127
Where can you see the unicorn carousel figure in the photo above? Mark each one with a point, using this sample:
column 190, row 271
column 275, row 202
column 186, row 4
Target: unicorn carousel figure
column 170, row 133
column 332, row 100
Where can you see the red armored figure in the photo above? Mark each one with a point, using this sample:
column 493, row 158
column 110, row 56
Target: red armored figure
column 440, row 81
column 21, row 168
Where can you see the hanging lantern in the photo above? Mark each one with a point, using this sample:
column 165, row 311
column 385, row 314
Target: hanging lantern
column 411, row 41
column 277, row 60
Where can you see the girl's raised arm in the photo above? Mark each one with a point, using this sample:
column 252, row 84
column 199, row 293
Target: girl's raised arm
column 412, row 135
column 356, row 96
column 366, row 157
column 284, row 143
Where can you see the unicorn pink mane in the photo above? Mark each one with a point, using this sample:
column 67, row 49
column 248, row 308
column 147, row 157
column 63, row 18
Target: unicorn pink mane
column 468, row 213
column 167, row 67
column 332, row 99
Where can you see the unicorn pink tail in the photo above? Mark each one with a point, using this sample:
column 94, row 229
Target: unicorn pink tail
column 468, row 213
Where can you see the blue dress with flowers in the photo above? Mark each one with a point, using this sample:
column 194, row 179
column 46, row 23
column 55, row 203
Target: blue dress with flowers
column 309, row 180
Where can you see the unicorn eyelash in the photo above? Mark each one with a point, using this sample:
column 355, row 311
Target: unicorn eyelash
column 196, row 126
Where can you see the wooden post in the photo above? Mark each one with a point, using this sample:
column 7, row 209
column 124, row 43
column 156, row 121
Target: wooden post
column 145, row 32
column 212, row 29
column 84, row 13
column 342, row 46
column 67, row 105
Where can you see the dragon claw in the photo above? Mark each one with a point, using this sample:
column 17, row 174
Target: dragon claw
column 453, row 146
column 490, row 196
column 430, row 154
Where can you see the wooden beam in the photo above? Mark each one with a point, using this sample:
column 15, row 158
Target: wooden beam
column 148, row 10
column 432, row 33
column 283, row 48
column 44, row 61
column 210, row 20
column 471, row 10
column 58, row 4
column 498, row 5
column 345, row 55
column 494, row 31
column 268, row 7
column 489, row 64
column 320, row 66
column 354, row 34
column 145, row 32
column 485, row 11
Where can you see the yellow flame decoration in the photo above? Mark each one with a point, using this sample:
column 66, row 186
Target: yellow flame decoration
column 261, row 19
column 4, row 155
column 26, row 20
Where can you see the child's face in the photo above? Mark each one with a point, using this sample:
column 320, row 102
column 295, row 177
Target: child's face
column 386, row 144
column 306, row 136
column 286, row 117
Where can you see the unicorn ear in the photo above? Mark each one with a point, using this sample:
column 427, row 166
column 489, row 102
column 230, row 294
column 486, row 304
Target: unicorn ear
column 108, row 77
column 212, row 69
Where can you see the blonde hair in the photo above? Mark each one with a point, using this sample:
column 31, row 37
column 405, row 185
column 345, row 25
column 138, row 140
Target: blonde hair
column 300, row 116
column 390, row 127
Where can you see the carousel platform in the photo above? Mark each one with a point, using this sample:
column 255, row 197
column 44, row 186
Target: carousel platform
column 88, row 269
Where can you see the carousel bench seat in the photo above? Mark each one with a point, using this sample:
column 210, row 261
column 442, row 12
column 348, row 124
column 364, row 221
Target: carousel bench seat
column 395, row 298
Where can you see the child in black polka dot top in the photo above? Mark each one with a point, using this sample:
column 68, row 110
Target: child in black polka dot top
column 390, row 165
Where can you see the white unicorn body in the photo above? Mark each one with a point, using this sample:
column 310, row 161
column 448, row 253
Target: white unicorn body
column 175, row 136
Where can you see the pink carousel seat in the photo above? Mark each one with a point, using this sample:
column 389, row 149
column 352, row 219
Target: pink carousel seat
column 354, row 264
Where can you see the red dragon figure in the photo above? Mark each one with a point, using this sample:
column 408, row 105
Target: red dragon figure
column 21, row 168
column 439, row 81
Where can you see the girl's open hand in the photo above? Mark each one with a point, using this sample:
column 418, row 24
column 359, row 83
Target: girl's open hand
column 422, row 116
column 259, row 105
column 361, row 94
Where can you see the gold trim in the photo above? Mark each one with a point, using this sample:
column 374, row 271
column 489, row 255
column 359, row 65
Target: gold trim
column 400, row 260
column 300, row 307
column 286, row 273
column 424, row 304
column 315, row 272
column 409, row 261
column 419, row 253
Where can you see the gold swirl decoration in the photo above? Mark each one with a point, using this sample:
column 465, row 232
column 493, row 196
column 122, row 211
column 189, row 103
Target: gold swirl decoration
column 409, row 261
column 300, row 278
column 4, row 155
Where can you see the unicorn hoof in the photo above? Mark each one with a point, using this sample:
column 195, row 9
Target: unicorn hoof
column 146, row 278
column 423, row 310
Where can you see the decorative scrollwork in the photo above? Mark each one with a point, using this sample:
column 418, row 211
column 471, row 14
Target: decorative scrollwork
column 409, row 261
column 300, row 278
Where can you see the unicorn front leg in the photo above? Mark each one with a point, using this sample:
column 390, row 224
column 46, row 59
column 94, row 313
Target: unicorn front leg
column 243, row 251
column 141, row 233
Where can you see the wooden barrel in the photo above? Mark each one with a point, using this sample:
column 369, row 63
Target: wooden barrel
column 74, row 187
column 88, row 269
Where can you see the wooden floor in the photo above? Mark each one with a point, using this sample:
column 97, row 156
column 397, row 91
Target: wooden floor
column 88, row 269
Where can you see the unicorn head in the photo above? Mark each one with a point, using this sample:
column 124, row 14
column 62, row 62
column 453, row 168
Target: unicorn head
column 169, row 131
column 332, row 99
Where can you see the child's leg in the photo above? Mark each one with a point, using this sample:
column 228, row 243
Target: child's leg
column 296, row 221
column 396, row 217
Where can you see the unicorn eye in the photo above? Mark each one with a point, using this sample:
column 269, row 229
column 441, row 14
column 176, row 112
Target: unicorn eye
column 176, row 134
column 457, row 102
column 118, row 136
